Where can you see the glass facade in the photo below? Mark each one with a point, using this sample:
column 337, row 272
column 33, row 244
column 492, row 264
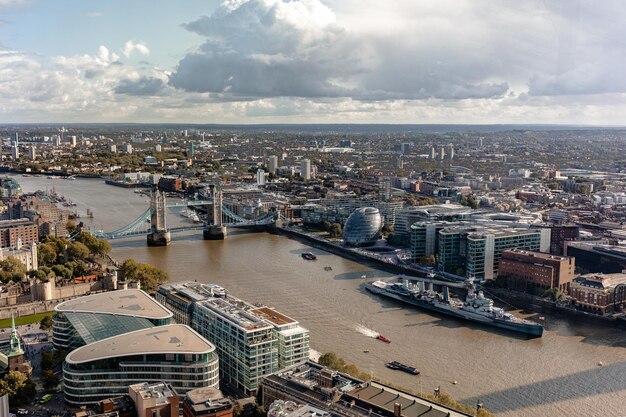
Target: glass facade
column 71, row 330
column 92, row 381
column 246, row 355
column 363, row 227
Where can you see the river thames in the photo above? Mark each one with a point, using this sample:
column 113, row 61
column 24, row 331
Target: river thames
column 557, row 375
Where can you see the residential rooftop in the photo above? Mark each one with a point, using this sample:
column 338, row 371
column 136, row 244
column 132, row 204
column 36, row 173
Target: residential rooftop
column 172, row 338
column 131, row 302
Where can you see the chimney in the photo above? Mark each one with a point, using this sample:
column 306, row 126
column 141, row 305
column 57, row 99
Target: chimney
column 397, row 410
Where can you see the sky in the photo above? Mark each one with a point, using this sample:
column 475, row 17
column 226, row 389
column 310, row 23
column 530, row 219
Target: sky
column 313, row 61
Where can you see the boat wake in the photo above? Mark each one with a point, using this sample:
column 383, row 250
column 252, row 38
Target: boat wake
column 365, row 331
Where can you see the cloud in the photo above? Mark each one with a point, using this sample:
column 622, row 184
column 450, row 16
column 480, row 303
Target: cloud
column 94, row 14
column 144, row 86
column 273, row 48
column 130, row 47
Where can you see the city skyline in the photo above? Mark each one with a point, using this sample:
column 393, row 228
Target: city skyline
column 312, row 61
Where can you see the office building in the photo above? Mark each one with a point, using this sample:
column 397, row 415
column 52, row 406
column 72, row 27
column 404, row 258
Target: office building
column 305, row 169
column 152, row 400
column 406, row 216
column 15, row 152
column 363, row 227
column 405, row 148
column 73, row 141
column 206, row 402
column 425, row 238
column 599, row 293
column 251, row 341
column 535, row 271
column 113, row 148
column 174, row 354
column 598, row 257
column 281, row 408
column 128, row 148
column 474, row 251
column 384, row 189
column 18, row 232
column 84, row 320
column 342, row 395
column 260, row 177
column 32, row 153
column 272, row 164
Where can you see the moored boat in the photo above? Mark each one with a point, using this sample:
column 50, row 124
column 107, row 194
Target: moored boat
column 309, row 256
column 383, row 338
column 402, row 367
column 476, row 307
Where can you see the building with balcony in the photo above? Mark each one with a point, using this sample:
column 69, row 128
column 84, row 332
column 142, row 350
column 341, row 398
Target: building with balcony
column 252, row 341
column 173, row 354
column 91, row 318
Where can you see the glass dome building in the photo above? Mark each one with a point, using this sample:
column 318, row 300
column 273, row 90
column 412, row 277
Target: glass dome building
column 363, row 227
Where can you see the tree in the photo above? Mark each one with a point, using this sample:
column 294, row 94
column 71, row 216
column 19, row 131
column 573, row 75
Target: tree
column 95, row 245
column 335, row 230
column 427, row 260
column 78, row 251
column 46, row 253
column 149, row 276
column 12, row 269
column 18, row 386
column 70, row 226
column 62, row 271
column 46, row 323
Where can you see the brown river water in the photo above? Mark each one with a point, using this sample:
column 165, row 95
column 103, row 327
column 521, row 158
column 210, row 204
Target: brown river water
column 557, row 375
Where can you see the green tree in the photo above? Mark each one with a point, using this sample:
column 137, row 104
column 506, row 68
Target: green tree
column 335, row 230
column 45, row 323
column 149, row 276
column 70, row 226
column 427, row 260
column 47, row 360
column 78, row 251
column 18, row 386
column 46, row 253
column 62, row 271
column 95, row 245
column 13, row 269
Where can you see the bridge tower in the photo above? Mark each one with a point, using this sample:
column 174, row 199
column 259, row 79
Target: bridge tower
column 216, row 230
column 159, row 235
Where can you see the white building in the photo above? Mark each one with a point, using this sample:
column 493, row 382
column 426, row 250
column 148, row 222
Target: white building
column 260, row 177
column 305, row 169
column 73, row 141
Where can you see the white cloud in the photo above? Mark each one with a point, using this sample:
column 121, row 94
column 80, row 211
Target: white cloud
column 130, row 47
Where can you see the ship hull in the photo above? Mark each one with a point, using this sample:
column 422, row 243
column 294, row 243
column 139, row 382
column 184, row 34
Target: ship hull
column 527, row 329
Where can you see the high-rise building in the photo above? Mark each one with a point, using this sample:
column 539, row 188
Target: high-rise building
column 272, row 164
column 15, row 152
column 442, row 154
column 73, row 141
column 158, row 148
column 57, row 140
column 433, row 153
column 251, row 341
column 405, row 148
column 451, row 152
column 260, row 177
column 128, row 148
column 305, row 169
column 32, row 153
column 15, row 139
column 384, row 189
column 113, row 148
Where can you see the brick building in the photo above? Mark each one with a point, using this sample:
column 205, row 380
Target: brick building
column 23, row 229
column 535, row 271
column 599, row 293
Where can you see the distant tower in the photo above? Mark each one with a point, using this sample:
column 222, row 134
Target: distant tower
column 305, row 169
column 159, row 235
column 433, row 153
column 451, row 152
column 443, row 152
column 15, row 152
column 260, row 177
column 73, row 141
column 480, row 141
column 272, row 164
column 384, row 191
column 32, row 153
column 15, row 139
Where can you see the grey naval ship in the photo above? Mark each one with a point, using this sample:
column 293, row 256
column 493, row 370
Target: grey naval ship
column 476, row 307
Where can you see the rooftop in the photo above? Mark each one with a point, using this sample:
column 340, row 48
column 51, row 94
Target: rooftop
column 536, row 255
column 130, row 302
column 159, row 391
column 273, row 316
column 173, row 338
column 207, row 399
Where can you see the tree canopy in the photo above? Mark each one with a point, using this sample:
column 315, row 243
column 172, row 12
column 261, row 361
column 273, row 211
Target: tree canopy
column 149, row 276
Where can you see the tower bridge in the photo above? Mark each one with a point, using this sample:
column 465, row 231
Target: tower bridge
column 153, row 221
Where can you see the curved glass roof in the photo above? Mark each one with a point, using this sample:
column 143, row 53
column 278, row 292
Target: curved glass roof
column 171, row 338
column 93, row 327
column 130, row 302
